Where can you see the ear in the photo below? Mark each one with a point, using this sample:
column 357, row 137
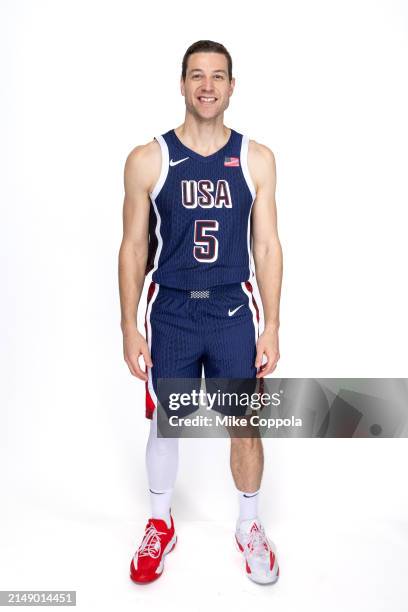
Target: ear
column 182, row 88
column 232, row 86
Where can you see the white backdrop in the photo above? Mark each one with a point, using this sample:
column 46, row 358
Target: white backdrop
column 323, row 84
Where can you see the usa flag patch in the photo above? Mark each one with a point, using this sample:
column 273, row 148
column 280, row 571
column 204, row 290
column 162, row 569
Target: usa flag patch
column 231, row 162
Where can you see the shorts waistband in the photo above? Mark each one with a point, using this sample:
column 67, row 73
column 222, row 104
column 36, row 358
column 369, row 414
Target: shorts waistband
column 202, row 294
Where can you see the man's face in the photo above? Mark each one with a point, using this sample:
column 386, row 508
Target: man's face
column 207, row 88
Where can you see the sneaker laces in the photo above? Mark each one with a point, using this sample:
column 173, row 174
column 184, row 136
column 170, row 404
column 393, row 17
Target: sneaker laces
column 257, row 543
column 151, row 545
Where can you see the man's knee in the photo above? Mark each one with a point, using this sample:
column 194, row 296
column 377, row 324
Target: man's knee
column 246, row 444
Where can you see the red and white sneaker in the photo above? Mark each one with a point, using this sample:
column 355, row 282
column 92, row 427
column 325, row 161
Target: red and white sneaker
column 148, row 561
column 260, row 558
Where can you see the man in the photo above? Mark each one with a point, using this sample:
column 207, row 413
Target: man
column 197, row 200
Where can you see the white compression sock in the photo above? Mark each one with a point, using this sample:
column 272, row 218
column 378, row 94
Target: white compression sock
column 162, row 465
column 248, row 505
column 160, row 504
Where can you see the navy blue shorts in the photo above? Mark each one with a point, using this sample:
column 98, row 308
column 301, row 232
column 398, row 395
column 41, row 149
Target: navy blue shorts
column 186, row 331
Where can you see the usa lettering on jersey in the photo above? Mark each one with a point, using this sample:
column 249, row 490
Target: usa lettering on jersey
column 206, row 193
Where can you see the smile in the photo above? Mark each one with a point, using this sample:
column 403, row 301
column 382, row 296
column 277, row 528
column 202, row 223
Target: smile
column 207, row 99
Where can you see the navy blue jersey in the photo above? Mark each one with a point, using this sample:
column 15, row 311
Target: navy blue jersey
column 199, row 225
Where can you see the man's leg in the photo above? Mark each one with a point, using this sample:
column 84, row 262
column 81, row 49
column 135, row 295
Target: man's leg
column 247, row 461
column 231, row 353
column 161, row 464
column 175, row 350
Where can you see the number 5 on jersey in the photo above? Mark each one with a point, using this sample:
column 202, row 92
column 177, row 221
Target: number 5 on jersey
column 205, row 244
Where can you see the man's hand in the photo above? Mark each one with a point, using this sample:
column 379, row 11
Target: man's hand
column 135, row 345
column 268, row 344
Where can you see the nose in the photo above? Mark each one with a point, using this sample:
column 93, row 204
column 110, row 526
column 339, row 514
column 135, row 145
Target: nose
column 207, row 85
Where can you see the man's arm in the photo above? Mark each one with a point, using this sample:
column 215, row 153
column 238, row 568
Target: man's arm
column 142, row 169
column 267, row 252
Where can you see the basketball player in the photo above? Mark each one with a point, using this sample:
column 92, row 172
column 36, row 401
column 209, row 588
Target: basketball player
column 199, row 211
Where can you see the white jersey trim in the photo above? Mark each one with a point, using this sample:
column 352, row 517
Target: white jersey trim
column 247, row 176
column 153, row 195
column 164, row 167
column 244, row 165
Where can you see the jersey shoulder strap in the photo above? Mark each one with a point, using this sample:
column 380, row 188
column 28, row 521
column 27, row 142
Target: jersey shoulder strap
column 164, row 166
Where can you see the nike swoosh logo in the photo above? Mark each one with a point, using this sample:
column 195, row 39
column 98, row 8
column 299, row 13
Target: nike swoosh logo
column 174, row 163
column 245, row 495
column 232, row 312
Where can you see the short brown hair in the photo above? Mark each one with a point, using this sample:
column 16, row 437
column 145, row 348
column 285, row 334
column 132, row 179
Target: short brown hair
column 205, row 46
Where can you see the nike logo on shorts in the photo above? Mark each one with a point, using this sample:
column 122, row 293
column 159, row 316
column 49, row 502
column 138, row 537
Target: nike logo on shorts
column 174, row 163
column 232, row 312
